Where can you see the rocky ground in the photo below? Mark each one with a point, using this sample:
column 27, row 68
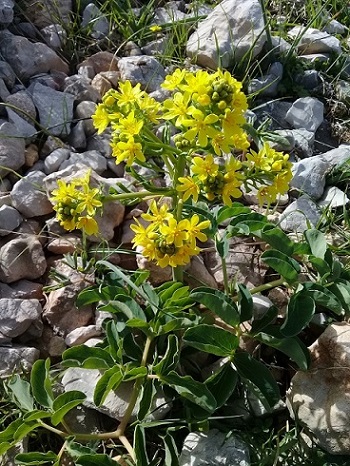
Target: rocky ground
column 47, row 134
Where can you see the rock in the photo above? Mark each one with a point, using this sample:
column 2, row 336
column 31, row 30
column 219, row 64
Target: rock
column 16, row 315
column 44, row 12
column 95, row 21
column 158, row 275
column 196, row 274
column 213, row 448
column 335, row 27
column 22, row 257
column 332, row 198
column 31, row 155
column 319, row 398
column 54, row 160
column 168, row 14
column 10, row 219
column 55, row 109
column 101, row 61
column 261, row 305
column 231, row 30
column 300, row 214
column 28, row 58
column 28, row 198
column 116, row 401
column 309, row 175
column 267, row 85
column 6, row 12
column 101, row 84
column 60, row 310
column 304, row 142
column 307, row 113
column 142, row 69
column 12, row 148
column 285, row 140
column 55, row 36
column 309, row 79
column 80, row 335
column 23, row 289
column 7, row 74
column 67, row 243
column 76, row 139
column 280, row 45
column 81, row 88
column 91, row 158
column 17, row 359
column 314, row 41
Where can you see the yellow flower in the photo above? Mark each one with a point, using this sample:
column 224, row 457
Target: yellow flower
column 176, row 107
column 189, row 187
column 128, row 94
column 129, row 125
column 174, row 232
column 87, row 224
column 128, row 150
column 204, row 167
column 157, row 216
column 172, row 81
column 201, row 126
column 194, row 228
column 100, row 118
column 155, row 28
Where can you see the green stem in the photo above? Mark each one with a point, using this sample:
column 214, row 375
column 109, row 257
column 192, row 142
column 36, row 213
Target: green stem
column 178, row 205
column 225, row 275
column 266, row 286
column 136, row 195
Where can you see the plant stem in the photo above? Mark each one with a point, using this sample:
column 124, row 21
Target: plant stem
column 178, row 206
column 224, row 274
column 136, row 195
column 128, row 447
column 266, row 286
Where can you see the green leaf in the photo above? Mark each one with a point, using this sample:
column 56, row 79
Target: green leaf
column 286, row 266
column 95, row 460
column 222, row 246
column 276, row 238
column 88, row 296
column 140, row 446
column 170, row 449
column 245, row 302
column 170, row 359
column 323, row 297
column 253, row 221
column 24, row 429
column 293, row 347
column 300, row 311
column 41, row 383
column 7, row 434
column 135, row 373
column 34, row 415
column 148, row 391
column 217, row 302
column 110, row 380
column 226, row 212
column 75, row 449
column 5, row 446
column 128, row 307
column 317, row 242
column 222, row 383
column 167, row 290
column 78, row 355
column 113, row 340
column 258, row 376
column 212, row 340
column 190, row 389
column 35, row 458
column 21, row 391
column 174, row 324
column 64, row 403
column 321, row 266
column 268, row 318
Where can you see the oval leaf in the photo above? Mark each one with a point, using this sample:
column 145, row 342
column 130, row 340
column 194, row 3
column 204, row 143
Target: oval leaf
column 286, row 266
column 300, row 310
column 64, row 403
column 212, row 340
column 217, row 302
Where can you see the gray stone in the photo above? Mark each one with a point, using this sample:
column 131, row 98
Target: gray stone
column 309, row 79
column 84, row 111
column 10, row 219
column 142, row 69
column 28, row 197
column 60, row 310
column 91, row 158
column 77, row 138
column 196, row 274
column 12, row 148
column 335, row 27
column 156, row 47
column 267, row 85
column 314, row 41
column 54, row 160
column 28, row 58
column 95, row 21
column 101, row 143
column 81, row 88
column 307, row 113
column 280, row 45
column 332, row 198
column 22, row 258
column 231, row 30
column 17, row 359
column 304, row 142
column 6, row 12
column 16, row 315
column 213, row 448
column 55, row 109
column 285, row 140
column 80, row 335
column 66, row 243
column 261, row 304
column 300, row 215
column 55, row 36
column 7, row 74
column 22, row 289
column 116, row 401
column 319, row 398
column 168, row 14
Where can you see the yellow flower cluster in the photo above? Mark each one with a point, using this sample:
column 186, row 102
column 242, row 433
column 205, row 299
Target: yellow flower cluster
column 166, row 240
column 76, row 204
column 271, row 167
column 216, row 182
column 208, row 108
column 128, row 111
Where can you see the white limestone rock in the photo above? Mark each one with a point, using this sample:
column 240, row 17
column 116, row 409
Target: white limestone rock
column 231, row 30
